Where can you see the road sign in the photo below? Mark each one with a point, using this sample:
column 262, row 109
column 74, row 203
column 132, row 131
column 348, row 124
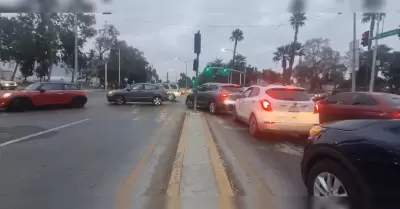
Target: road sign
column 387, row 34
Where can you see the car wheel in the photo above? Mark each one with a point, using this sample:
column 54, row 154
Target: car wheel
column 78, row 102
column 234, row 115
column 253, row 126
column 157, row 101
column 171, row 97
column 19, row 105
column 212, row 107
column 329, row 178
column 189, row 103
column 119, row 100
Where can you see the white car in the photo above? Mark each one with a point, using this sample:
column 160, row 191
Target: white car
column 276, row 108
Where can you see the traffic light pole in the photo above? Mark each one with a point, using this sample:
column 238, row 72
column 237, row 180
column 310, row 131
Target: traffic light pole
column 371, row 83
column 195, row 87
column 353, row 74
column 197, row 51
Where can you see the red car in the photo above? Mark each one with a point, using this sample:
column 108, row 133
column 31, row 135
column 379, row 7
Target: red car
column 43, row 94
column 359, row 105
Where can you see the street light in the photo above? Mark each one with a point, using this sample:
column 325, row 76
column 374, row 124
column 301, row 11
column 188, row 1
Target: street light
column 186, row 73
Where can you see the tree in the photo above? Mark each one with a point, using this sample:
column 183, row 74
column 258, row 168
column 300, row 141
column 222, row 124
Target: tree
column 371, row 18
column 236, row 36
column 107, row 37
column 297, row 20
column 282, row 54
column 271, row 76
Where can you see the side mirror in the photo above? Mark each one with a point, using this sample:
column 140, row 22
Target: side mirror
column 128, row 89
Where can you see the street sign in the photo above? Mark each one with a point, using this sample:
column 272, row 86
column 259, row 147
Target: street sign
column 387, row 34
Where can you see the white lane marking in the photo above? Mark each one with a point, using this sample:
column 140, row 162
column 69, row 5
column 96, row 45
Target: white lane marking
column 136, row 118
column 40, row 133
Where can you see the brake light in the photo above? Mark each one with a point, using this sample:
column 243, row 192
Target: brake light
column 396, row 115
column 224, row 95
column 164, row 91
column 316, row 108
column 266, row 105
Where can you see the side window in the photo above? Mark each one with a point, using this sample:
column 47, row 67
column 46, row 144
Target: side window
column 202, row 88
column 247, row 92
column 363, row 99
column 255, row 92
column 137, row 87
column 212, row 88
column 166, row 86
column 70, row 87
column 337, row 99
column 149, row 87
column 52, row 86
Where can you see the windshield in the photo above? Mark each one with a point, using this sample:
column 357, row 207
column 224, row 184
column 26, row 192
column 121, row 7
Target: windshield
column 233, row 89
column 32, row 87
column 288, row 94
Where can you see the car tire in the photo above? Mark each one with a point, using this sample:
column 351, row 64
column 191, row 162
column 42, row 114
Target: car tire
column 189, row 103
column 157, row 101
column 119, row 100
column 234, row 115
column 171, row 97
column 329, row 167
column 212, row 108
column 253, row 126
column 78, row 102
column 19, row 104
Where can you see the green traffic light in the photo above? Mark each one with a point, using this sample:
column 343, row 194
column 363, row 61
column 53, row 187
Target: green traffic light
column 224, row 69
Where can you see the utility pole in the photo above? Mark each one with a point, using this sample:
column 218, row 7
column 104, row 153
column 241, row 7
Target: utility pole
column 105, row 76
column 353, row 74
column 76, row 45
column 371, row 83
column 186, row 78
column 167, row 78
column 119, row 66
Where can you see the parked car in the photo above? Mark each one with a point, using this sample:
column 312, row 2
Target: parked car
column 43, row 94
column 172, row 90
column 216, row 97
column 354, row 158
column 276, row 108
column 140, row 92
column 319, row 97
column 359, row 105
column 7, row 85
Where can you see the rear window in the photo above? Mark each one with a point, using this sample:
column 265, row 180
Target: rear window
column 232, row 88
column 288, row 94
column 174, row 86
column 392, row 99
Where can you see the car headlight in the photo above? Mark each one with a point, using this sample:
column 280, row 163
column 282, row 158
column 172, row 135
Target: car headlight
column 5, row 95
column 110, row 92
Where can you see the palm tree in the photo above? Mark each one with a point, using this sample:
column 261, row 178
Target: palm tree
column 371, row 17
column 237, row 36
column 297, row 20
column 282, row 54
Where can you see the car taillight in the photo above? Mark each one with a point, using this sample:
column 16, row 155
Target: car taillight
column 266, row 105
column 315, row 132
column 316, row 108
column 164, row 91
column 224, row 95
column 396, row 115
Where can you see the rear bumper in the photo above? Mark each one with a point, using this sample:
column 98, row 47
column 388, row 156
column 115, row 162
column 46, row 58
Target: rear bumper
column 226, row 105
column 8, row 87
column 297, row 128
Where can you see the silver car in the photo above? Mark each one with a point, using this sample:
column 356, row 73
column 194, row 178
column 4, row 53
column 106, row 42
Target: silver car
column 172, row 90
column 140, row 92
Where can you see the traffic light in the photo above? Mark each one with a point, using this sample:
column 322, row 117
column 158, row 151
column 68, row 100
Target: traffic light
column 225, row 70
column 197, row 43
column 365, row 38
column 208, row 68
column 195, row 64
column 193, row 80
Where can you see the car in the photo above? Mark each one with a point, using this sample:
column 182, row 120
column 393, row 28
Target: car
column 358, row 159
column 359, row 105
column 216, row 97
column 172, row 90
column 319, row 97
column 140, row 92
column 276, row 108
column 43, row 94
column 7, row 85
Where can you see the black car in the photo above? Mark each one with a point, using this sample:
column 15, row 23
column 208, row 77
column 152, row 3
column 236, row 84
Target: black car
column 359, row 159
column 216, row 97
column 140, row 92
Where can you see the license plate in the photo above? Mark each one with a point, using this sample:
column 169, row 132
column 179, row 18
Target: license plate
column 293, row 109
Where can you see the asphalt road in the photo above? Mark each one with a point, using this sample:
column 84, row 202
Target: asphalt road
column 266, row 168
column 101, row 156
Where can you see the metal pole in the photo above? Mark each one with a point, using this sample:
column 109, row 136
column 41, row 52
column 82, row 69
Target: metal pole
column 119, row 67
column 186, row 82
column 240, row 79
column 371, row 83
column 195, row 87
column 105, row 76
column 353, row 75
column 244, row 75
column 76, row 45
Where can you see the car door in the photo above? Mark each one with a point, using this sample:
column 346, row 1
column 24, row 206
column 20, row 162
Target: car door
column 250, row 101
column 363, row 106
column 70, row 90
column 334, row 107
column 240, row 105
column 211, row 93
column 200, row 95
column 135, row 93
column 49, row 94
column 149, row 92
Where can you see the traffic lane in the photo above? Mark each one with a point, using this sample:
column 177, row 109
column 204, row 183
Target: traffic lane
column 273, row 160
column 77, row 167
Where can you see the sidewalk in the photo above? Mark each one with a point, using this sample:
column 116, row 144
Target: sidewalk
column 198, row 178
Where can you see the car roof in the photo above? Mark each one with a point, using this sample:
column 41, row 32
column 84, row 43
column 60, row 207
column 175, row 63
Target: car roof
column 270, row 86
column 60, row 82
